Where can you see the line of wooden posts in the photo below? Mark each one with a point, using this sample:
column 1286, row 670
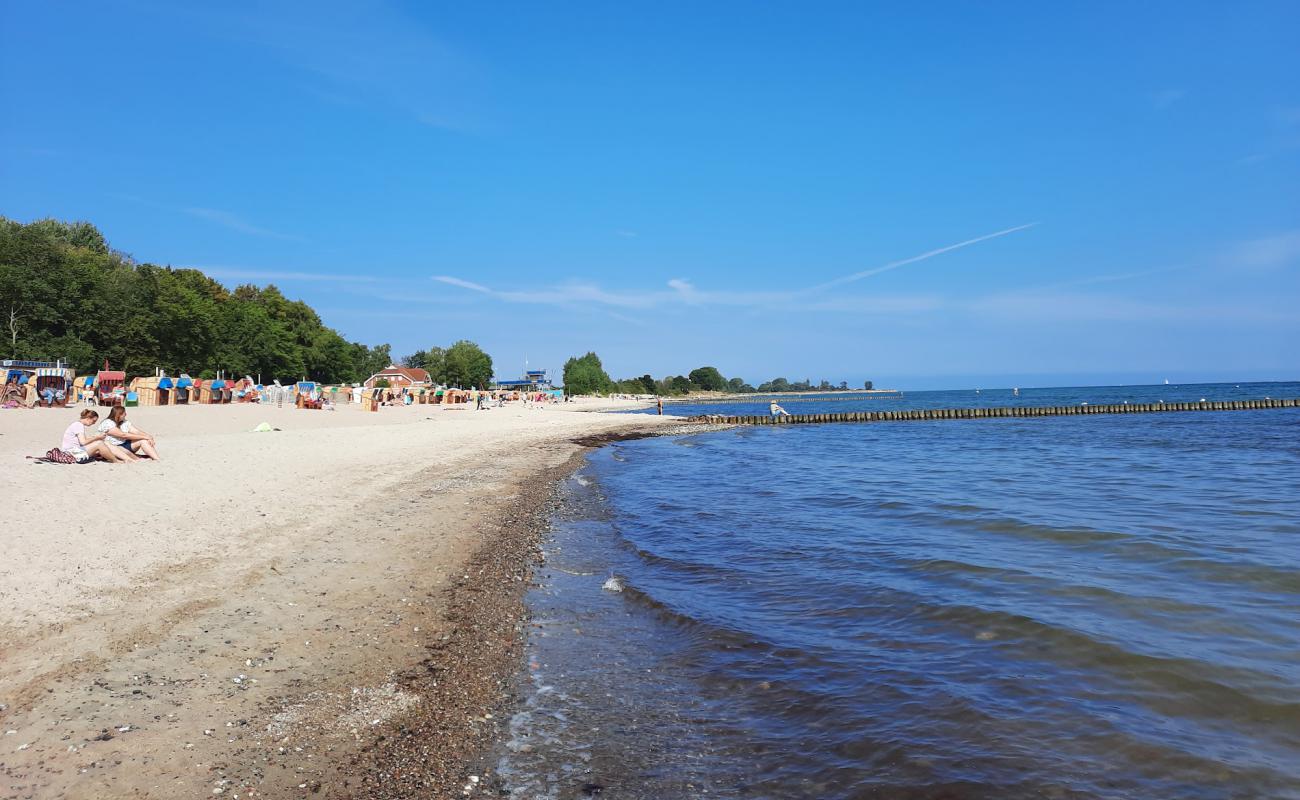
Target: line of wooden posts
column 876, row 395
column 1007, row 411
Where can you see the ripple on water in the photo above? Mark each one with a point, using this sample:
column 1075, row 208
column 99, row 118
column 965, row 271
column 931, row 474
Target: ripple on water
column 1045, row 608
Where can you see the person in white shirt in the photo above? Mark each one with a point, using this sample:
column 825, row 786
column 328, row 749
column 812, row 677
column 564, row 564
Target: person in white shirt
column 122, row 434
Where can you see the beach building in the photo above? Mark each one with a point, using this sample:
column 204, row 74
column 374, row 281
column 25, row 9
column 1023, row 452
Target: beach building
column 399, row 377
column 534, row 380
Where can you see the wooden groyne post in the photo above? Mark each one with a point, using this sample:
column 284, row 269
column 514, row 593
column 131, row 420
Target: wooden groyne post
column 1008, row 411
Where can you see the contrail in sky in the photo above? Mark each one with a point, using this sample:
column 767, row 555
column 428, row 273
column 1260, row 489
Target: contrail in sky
column 867, row 273
column 683, row 291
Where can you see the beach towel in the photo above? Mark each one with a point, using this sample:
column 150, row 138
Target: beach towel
column 56, row 456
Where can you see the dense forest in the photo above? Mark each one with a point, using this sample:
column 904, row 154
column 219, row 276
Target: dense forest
column 586, row 375
column 65, row 294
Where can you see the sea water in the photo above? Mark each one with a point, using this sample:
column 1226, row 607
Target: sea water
column 1061, row 607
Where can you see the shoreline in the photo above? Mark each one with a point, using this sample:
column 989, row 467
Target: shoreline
column 462, row 682
column 353, row 649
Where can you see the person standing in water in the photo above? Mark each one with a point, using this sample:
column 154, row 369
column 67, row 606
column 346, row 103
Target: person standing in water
column 659, row 402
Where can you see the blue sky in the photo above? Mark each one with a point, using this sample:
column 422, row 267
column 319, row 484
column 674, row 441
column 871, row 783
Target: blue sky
column 927, row 195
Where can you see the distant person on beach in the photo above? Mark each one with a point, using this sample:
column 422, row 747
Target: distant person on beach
column 83, row 445
column 51, row 395
column 29, row 391
column 777, row 411
column 13, row 393
column 659, row 402
column 121, row 433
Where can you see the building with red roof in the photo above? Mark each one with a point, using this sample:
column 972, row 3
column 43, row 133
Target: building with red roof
column 399, row 377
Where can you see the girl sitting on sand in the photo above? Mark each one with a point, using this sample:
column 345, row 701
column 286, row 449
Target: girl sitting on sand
column 83, row 445
column 122, row 434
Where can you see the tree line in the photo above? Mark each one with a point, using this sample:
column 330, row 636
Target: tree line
column 464, row 365
column 65, row 294
column 586, row 375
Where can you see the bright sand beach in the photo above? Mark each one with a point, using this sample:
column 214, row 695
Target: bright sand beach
column 328, row 608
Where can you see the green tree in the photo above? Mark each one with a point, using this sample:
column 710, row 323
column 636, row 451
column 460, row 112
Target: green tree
column 775, row 385
column 65, row 293
column 374, row 359
column 466, row 365
column 867, row 385
column 433, row 361
column 708, row 379
column 681, row 385
column 81, row 235
column 586, row 375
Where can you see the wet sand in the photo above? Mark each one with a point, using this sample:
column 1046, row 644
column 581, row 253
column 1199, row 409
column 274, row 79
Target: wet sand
column 332, row 608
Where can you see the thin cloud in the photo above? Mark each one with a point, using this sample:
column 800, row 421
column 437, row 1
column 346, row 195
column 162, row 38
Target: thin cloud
column 464, row 284
column 681, row 291
column 686, row 290
column 1114, row 278
column 876, row 304
column 1268, row 253
column 625, row 318
column 369, row 55
column 867, row 273
column 281, row 275
column 236, row 223
column 578, row 293
column 1048, row 306
column 387, row 313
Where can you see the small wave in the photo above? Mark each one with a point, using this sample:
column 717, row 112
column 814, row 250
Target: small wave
column 1011, row 610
